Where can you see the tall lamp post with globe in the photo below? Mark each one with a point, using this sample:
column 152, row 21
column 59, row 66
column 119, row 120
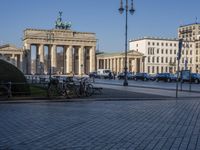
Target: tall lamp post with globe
column 121, row 10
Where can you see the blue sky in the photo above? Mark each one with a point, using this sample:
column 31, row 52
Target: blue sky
column 159, row 18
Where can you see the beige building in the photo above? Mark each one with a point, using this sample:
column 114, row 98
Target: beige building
column 161, row 54
column 79, row 50
column 13, row 55
column 191, row 36
column 116, row 62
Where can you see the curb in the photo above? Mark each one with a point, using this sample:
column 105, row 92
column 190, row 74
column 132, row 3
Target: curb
column 40, row 100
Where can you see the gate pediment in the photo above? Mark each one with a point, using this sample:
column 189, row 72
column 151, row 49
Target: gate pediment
column 9, row 47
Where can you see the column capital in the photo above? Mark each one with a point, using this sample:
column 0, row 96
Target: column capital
column 27, row 46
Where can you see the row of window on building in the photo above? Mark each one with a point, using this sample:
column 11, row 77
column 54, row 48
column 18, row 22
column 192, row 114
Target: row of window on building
column 151, row 51
column 160, row 59
column 189, row 28
column 189, row 38
column 169, row 60
column 185, row 44
column 162, row 44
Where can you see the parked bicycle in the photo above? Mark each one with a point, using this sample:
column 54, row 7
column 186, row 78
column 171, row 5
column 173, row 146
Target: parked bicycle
column 70, row 88
column 55, row 89
column 86, row 88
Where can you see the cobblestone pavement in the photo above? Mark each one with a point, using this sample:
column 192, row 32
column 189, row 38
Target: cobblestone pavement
column 125, row 94
column 101, row 125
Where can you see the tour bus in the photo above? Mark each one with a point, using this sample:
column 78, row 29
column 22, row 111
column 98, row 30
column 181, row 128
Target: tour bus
column 103, row 73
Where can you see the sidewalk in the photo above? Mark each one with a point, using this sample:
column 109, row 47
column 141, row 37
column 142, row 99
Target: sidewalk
column 113, row 93
column 108, row 94
column 158, row 92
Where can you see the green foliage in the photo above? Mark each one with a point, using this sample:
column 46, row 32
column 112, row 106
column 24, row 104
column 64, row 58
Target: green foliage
column 38, row 91
column 10, row 73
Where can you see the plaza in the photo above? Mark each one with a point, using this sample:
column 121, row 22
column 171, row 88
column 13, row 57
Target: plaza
column 124, row 114
column 123, row 118
column 155, row 124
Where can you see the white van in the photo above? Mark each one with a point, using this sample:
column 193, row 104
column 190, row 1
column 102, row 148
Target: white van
column 103, row 73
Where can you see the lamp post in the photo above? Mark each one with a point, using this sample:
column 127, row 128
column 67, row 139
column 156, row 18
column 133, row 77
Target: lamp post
column 187, row 48
column 121, row 10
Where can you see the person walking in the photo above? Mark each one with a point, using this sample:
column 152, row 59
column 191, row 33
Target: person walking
column 110, row 75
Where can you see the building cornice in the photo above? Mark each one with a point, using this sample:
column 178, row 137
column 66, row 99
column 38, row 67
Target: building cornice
column 10, row 47
column 57, row 30
column 196, row 23
column 154, row 38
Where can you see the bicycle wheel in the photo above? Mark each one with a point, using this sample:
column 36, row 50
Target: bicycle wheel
column 52, row 91
column 89, row 90
column 70, row 91
column 77, row 90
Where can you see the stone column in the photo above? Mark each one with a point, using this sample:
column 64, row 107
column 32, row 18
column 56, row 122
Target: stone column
column 49, row 64
column 69, row 59
column 92, row 58
column 41, row 58
column 65, row 59
column 37, row 63
column 27, row 47
column 135, row 65
column 111, row 64
column 21, row 62
column 98, row 63
column 29, row 62
column 12, row 59
column 128, row 64
column 53, row 58
column 118, row 65
column 141, row 65
column 122, row 64
column 15, row 60
column 116, row 59
column 114, row 65
column 81, row 61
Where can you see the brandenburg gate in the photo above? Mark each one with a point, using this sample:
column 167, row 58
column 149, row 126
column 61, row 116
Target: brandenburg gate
column 78, row 50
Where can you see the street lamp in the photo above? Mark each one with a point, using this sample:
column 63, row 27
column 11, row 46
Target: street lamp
column 187, row 48
column 121, row 10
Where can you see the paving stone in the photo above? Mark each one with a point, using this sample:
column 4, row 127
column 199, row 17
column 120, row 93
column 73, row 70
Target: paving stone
column 103, row 125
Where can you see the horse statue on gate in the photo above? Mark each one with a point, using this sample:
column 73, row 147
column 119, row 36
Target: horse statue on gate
column 59, row 24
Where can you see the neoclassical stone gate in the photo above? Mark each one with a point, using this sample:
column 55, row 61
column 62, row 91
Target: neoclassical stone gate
column 79, row 50
column 12, row 54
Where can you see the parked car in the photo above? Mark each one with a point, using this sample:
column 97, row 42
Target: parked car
column 152, row 77
column 141, row 76
column 122, row 75
column 167, row 77
column 195, row 77
column 104, row 73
